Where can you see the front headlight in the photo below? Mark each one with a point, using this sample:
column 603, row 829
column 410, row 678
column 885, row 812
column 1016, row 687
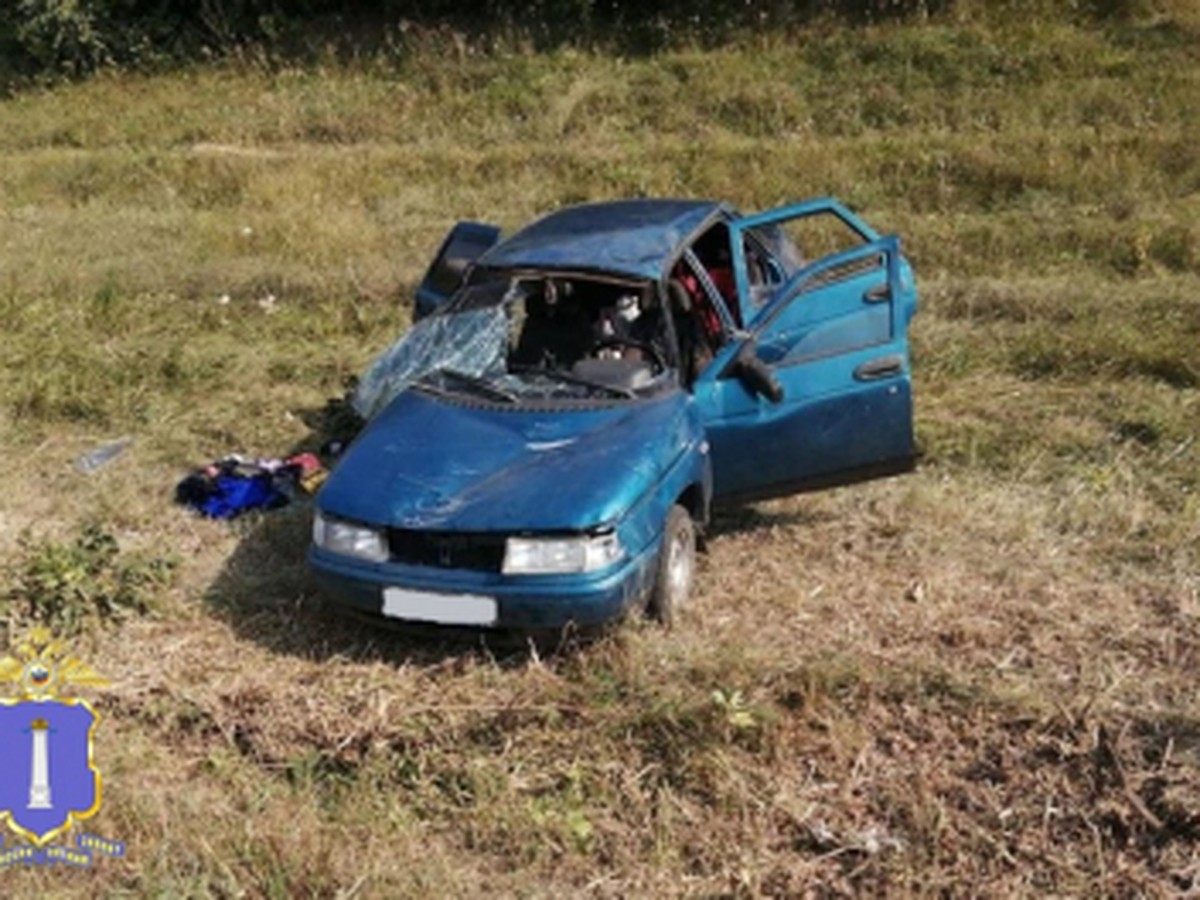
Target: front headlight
column 348, row 539
column 560, row 555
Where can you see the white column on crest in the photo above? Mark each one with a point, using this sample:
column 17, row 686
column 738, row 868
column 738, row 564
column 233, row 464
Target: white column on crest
column 39, row 774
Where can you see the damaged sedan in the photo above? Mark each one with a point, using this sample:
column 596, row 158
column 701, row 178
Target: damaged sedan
column 547, row 442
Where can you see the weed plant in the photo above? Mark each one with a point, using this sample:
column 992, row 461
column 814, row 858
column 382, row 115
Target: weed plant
column 67, row 586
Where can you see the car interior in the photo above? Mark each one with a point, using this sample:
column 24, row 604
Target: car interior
column 616, row 333
column 612, row 333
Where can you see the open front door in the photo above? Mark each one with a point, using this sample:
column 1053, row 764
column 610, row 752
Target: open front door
column 466, row 242
column 834, row 337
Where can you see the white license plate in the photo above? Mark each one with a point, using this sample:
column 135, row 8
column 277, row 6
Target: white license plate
column 444, row 609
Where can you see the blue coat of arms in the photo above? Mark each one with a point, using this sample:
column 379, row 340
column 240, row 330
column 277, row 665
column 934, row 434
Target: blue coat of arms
column 46, row 774
column 47, row 779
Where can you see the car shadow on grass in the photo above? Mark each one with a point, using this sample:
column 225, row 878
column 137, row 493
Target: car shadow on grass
column 735, row 520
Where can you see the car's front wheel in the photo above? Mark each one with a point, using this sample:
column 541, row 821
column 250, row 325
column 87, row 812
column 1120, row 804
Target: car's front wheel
column 676, row 567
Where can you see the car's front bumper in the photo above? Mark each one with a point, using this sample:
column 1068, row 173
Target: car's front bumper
column 522, row 602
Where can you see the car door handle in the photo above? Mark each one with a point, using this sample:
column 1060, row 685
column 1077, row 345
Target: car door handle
column 881, row 367
column 878, row 294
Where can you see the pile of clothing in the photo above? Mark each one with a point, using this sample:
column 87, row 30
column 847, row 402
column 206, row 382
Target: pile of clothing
column 233, row 485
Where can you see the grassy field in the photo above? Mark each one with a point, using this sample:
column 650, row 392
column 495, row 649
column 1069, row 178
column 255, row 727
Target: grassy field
column 979, row 679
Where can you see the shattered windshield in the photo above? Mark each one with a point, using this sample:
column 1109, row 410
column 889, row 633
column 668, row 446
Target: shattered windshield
column 514, row 339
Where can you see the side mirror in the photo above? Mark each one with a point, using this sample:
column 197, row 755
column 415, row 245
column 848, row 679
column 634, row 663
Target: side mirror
column 756, row 375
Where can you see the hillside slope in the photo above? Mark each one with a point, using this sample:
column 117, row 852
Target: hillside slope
column 976, row 679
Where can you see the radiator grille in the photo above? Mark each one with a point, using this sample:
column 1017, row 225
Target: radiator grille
column 447, row 550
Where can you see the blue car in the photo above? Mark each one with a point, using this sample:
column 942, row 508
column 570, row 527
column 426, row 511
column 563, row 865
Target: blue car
column 546, row 443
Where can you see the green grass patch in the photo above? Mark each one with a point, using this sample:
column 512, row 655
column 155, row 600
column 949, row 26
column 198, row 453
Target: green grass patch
column 88, row 581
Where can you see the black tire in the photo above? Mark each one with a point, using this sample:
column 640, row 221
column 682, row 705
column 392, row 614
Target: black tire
column 675, row 569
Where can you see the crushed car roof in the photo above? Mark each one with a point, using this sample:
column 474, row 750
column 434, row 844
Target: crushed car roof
column 637, row 238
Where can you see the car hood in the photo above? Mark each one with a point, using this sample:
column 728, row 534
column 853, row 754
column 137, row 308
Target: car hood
column 433, row 464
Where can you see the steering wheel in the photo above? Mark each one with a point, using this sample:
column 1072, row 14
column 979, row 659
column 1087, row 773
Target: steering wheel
column 656, row 358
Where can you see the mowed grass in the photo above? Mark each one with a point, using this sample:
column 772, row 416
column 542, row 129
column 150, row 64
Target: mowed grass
column 976, row 679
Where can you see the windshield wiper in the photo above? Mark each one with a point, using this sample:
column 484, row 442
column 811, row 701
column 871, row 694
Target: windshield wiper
column 480, row 386
column 572, row 378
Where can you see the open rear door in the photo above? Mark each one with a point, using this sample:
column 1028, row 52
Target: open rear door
column 466, row 242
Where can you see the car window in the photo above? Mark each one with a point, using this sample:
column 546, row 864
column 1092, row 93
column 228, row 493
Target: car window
column 764, row 272
column 800, row 240
column 776, row 251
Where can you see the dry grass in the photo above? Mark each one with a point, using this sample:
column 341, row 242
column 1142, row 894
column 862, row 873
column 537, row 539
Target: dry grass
column 978, row 679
